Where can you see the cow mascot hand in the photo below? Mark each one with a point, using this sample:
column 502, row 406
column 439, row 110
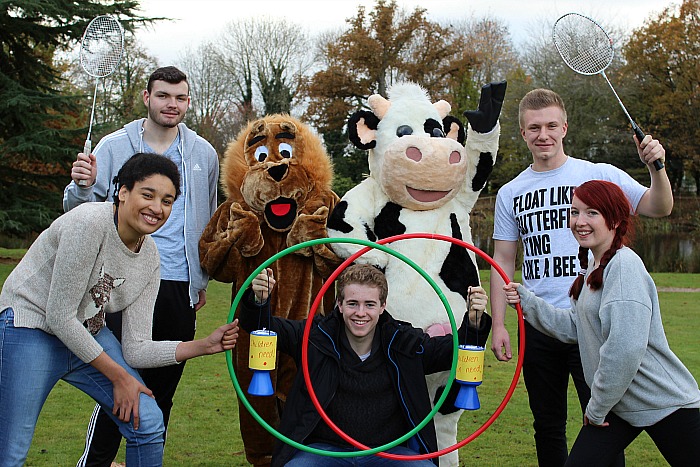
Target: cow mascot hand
column 422, row 179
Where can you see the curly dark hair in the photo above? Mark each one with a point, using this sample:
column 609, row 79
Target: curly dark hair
column 142, row 165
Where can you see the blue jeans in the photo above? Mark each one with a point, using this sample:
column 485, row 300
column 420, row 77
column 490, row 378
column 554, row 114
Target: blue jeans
column 307, row 459
column 31, row 363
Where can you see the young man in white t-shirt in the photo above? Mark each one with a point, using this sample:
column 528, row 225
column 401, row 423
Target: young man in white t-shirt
column 533, row 209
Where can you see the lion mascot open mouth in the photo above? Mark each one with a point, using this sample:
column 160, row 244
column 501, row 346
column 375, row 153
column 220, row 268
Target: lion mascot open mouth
column 277, row 178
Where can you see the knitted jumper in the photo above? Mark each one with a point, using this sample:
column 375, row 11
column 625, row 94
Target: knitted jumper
column 79, row 266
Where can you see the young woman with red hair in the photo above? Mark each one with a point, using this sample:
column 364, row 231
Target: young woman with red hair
column 637, row 383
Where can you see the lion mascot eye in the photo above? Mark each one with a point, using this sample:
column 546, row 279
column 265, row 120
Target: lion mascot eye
column 285, row 150
column 261, row 153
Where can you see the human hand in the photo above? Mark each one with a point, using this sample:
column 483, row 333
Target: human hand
column 223, row 338
column 202, row 300
column 650, row 150
column 126, row 392
column 500, row 343
column 586, row 421
column 477, row 304
column 512, row 295
column 84, row 171
column 263, row 284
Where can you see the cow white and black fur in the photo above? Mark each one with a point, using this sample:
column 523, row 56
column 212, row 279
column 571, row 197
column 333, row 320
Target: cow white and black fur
column 422, row 179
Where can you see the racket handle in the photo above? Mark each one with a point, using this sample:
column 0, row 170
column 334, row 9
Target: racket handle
column 658, row 165
column 87, row 149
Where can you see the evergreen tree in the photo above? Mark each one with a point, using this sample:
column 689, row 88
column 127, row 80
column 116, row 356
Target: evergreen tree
column 41, row 129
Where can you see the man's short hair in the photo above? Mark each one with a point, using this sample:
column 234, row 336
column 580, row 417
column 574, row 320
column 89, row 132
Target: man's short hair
column 169, row 74
column 539, row 99
column 362, row 274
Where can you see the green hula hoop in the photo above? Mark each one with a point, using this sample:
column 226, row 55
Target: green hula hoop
column 241, row 395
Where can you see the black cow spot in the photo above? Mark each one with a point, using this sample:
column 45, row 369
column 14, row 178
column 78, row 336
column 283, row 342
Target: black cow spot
column 387, row 223
column 433, row 128
column 458, row 271
column 336, row 221
column 483, row 170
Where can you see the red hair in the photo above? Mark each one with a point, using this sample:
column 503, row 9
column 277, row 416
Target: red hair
column 608, row 199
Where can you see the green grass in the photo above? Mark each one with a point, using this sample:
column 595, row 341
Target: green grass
column 204, row 427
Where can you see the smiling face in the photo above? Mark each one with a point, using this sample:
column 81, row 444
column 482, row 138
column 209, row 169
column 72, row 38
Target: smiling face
column 544, row 130
column 145, row 208
column 590, row 228
column 361, row 308
column 167, row 103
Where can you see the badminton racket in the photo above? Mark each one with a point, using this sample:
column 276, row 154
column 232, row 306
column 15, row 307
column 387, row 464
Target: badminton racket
column 100, row 53
column 587, row 49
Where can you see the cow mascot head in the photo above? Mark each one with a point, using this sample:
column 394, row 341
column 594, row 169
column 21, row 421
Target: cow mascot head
column 426, row 173
column 277, row 178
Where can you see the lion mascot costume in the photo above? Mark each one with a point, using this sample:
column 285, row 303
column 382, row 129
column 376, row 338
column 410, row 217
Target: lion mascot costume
column 277, row 178
column 422, row 179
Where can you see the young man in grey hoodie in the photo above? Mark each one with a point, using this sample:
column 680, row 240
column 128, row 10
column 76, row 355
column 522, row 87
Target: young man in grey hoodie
column 183, row 282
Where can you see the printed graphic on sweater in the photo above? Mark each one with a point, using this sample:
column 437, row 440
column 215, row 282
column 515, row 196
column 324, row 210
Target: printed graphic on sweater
column 100, row 293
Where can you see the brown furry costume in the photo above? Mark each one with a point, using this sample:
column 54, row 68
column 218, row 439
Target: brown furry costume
column 277, row 178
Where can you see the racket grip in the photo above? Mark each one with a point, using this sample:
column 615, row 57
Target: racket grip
column 658, row 165
column 87, row 148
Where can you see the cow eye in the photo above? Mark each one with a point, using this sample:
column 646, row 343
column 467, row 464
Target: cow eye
column 437, row 133
column 261, row 153
column 285, row 150
column 404, row 130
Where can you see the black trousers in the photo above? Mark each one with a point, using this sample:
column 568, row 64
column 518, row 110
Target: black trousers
column 173, row 319
column 547, row 364
column 677, row 436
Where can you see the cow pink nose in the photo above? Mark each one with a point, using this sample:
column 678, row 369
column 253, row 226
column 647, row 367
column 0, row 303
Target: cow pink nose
column 414, row 153
column 455, row 157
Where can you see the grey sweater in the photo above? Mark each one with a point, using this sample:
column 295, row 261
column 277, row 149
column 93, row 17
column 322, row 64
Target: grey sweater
column 200, row 169
column 626, row 358
column 75, row 267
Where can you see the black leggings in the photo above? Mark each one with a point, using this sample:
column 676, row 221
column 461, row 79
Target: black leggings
column 677, row 437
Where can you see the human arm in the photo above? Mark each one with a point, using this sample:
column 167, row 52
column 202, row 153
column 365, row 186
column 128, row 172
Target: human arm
column 657, row 201
column 223, row 338
column 555, row 322
column 504, row 253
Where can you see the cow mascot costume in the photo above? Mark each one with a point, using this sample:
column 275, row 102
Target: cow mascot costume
column 277, row 178
column 422, row 179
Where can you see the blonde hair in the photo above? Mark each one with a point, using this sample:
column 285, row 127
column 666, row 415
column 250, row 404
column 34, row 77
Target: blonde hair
column 362, row 274
column 539, row 99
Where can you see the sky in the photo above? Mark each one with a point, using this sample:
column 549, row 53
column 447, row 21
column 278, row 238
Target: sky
column 197, row 21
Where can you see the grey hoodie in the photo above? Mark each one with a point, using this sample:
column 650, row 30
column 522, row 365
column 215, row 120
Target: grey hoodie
column 626, row 359
column 201, row 176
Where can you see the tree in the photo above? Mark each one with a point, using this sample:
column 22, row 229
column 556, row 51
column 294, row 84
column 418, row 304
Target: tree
column 213, row 109
column 377, row 49
column 663, row 72
column 38, row 128
column 265, row 59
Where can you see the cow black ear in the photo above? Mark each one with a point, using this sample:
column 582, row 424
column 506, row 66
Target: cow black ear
column 454, row 129
column 370, row 121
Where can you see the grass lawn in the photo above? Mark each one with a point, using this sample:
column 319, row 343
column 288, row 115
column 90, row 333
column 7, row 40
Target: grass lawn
column 204, row 424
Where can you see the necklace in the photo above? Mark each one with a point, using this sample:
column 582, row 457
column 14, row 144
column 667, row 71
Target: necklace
column 139, row 243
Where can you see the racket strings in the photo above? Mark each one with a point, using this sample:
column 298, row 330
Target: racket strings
column 101, row 47
column 583, row 45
